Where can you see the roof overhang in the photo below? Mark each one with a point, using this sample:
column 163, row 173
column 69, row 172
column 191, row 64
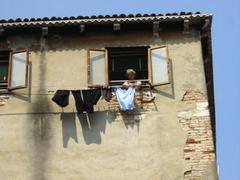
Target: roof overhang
column 193, row 18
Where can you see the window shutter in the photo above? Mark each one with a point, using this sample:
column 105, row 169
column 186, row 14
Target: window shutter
column 18, row 70
column 158, row 66
column 97, row 67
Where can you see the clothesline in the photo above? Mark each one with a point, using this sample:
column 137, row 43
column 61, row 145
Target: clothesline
column 86, row 99
column 108, row 87
column 51, row 92
column 88, row 88
column 74, row 85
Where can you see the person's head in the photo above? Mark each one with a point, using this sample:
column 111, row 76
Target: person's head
column 130, row 74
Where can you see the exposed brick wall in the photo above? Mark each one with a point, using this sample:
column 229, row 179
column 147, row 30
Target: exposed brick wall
column 199, row 148
column 193, row 96
column 133, row 117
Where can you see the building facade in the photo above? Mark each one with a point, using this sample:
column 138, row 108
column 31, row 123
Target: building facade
column 170, row 138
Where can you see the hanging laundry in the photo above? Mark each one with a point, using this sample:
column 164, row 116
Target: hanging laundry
column 86, row 99
column 125, row 98
column 90, row 98
column 61, row 97
column 107, row 94
column 78, row 101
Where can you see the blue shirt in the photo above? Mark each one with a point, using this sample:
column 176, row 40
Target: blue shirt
column 125, row 98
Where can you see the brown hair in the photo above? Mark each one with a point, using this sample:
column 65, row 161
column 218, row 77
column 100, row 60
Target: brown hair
column 130, row 71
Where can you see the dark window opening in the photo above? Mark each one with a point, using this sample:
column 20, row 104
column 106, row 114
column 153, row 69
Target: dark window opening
column 122, row 58
column 4, row 64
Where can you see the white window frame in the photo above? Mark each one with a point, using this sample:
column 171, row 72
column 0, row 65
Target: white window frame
column 150, row 68
column 89, row 68
column 10, row 70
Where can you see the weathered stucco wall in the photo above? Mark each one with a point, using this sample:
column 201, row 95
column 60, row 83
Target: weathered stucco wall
column 39, row 140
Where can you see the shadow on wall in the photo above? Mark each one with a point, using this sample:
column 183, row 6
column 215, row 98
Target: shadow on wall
column 131, row 118
column 92, row 126
column 41, row 132
column 69, row 129
column 39, row 126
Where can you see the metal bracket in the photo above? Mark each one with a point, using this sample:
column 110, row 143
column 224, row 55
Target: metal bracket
column 82, row 28
column 1, row 31
column 186, row 26
column 44, row 31
column 116, row 27
column 156, row 29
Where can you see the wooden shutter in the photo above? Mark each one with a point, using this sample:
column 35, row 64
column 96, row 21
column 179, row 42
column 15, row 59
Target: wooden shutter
column 18, row 69
column 97, row 67
column 158, row 66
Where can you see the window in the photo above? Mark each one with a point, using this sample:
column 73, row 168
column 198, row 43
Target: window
column 4, row 65
column 13, row 69
column 108, row 66
column 97, row 67
column 159, row 66
column 121, row 59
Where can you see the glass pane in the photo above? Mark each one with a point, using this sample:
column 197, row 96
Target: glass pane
column 97, row 68
column 18, row 73
column 159, row 65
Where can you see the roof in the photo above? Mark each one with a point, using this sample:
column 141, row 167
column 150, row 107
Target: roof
column 101, row 19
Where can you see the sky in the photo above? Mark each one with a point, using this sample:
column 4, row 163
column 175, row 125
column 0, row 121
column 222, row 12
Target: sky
column 226, row 53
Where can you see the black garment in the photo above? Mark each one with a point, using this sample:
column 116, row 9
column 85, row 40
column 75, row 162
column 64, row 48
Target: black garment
column 88, row 99
column 107, row 94
column 78, row 101
column 61, row 97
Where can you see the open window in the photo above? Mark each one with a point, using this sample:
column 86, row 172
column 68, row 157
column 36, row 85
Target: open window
column 122, row 58
column 97, row 67
column 108, row 66
column 159, row 66
column 18, row 69
column 4, row 66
